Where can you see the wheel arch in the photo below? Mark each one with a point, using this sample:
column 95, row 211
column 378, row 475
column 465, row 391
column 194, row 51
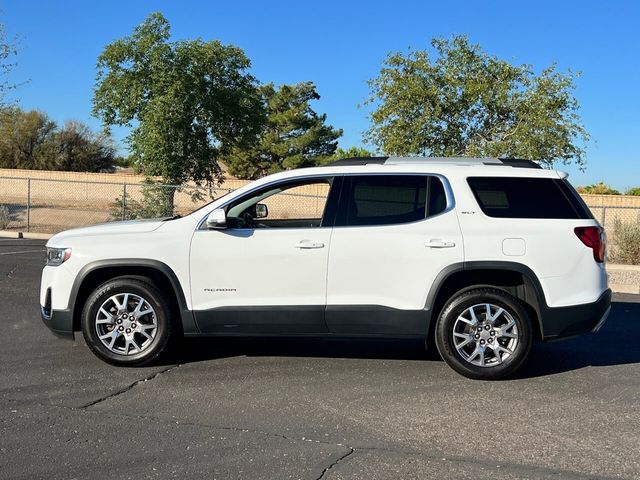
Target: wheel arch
column 512, row 277
column 95, row 273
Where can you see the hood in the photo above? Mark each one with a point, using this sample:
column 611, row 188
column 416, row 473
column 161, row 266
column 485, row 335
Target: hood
column 111, row 228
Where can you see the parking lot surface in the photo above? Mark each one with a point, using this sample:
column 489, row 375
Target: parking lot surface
column 308, row 408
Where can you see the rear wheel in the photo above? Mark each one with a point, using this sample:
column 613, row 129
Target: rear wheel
column 484, row 334
column 126, row 321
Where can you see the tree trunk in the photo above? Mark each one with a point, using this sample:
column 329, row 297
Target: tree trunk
column 170, row 193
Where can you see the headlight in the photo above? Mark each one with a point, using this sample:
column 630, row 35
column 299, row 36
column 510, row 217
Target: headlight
column 57, row 256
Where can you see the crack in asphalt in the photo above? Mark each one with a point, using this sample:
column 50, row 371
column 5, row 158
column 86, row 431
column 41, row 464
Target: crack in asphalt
column 520, row 468
column 125, row 389
column 335, row 462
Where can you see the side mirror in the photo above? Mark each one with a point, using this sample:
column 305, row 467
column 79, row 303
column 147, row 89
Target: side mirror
column 217, row 219
column 261, row 210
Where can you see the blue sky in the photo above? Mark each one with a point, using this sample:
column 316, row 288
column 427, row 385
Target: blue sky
column 341, row 44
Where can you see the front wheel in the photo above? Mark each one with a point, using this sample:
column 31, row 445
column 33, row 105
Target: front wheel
column 484, row 334
column 126, row 321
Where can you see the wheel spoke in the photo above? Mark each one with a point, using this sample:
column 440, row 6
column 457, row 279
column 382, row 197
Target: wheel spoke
column 500, row 348
column 465, row 320
column 468, row 338
column 496, row 354
column 474, row 319
column 474, row 354
column 138, row 307
column 496, row 315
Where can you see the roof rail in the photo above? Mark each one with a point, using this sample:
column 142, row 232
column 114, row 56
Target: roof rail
column 507, row 162
column 519, row 163
column 349, row 162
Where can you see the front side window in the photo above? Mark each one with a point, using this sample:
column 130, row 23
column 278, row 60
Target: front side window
column 298, row 204
column 390, row 199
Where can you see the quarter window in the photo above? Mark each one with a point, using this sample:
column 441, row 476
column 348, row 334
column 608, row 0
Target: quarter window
column 519, row 197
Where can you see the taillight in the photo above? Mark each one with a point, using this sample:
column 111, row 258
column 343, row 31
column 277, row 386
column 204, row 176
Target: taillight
column 594, row 238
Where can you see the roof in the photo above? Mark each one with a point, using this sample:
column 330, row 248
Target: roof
column 508, row 162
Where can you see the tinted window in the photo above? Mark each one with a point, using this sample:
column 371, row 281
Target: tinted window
column 512, row 197
column 386, row 200
column 437, row 197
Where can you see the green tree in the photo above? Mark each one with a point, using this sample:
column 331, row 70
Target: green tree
column 187, row 102
column 465, row 102
column 32, row 140
column 633, row 191
column 79, row 149
column 351, row 152
column 26, row 139
column 293, row 136
column 598, row 189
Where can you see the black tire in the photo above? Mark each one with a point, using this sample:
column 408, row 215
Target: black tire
column 495, row 368
column 165, row 331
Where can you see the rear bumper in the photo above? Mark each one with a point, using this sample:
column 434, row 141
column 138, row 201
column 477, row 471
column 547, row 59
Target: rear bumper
column 562, row 322
column 60, row 322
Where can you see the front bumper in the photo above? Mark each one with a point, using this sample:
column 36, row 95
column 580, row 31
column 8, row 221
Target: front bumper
column 562, row 322
column 60, row 322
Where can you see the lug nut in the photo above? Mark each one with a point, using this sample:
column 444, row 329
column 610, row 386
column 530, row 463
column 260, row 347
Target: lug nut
column 490, row 340
column 487, row 327
column 119, row 321
column 476, row 336
column 481, row 342
column 128, row 330
column 133, row 325
column 120, row 328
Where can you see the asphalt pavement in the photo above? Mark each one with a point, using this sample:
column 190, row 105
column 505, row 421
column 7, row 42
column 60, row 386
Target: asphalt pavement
column 308, row 408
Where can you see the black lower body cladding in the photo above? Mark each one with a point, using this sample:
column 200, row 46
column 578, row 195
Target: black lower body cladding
column 561, row 322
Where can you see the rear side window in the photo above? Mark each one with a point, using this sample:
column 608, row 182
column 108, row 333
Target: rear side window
column 517, row 197
column 390, row 199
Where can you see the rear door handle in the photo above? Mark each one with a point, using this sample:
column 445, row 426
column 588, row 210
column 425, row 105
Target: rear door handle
column 439, row 244
column 308, row 244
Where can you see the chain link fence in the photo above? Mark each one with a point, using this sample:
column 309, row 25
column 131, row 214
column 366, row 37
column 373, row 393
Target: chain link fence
column 49, row 205
column 52, row 205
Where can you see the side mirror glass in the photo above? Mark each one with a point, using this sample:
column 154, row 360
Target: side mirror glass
column 261, row 210
column 217, row 219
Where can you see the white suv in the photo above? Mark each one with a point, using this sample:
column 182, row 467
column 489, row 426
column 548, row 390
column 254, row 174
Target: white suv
column 482, row 256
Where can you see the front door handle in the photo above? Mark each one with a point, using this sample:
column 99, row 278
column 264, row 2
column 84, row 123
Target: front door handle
column 439, row 244
column 308, row 244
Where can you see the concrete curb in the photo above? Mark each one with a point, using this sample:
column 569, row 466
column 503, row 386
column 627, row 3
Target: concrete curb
column 27, row 235
column 624, row 278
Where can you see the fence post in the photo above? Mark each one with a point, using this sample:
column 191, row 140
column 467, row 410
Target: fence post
column 604, row 216
column 124, row 201
column 28, row 204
